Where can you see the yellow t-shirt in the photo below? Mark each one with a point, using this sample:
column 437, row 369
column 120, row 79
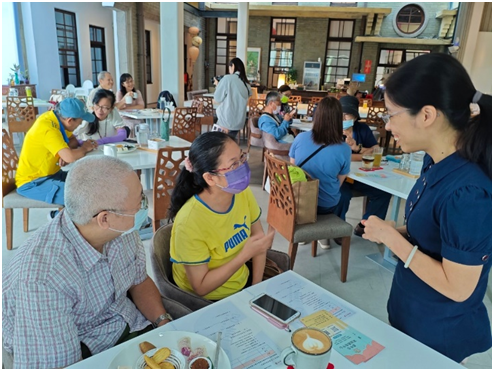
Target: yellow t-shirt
column 39, row 154
column 201, row 235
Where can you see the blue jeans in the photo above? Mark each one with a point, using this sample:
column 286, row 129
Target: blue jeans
column 233, row 134
column 339, row 209
column 50, row 189
column 378, row 200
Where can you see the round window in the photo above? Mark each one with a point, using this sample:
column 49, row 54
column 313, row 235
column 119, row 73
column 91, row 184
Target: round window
column 410, row 19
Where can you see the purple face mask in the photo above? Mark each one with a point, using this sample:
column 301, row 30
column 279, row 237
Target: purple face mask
column 238, row 180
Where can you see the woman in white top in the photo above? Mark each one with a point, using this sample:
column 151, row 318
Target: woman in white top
column 233, row 92
column 108, row 126
column 127, row 89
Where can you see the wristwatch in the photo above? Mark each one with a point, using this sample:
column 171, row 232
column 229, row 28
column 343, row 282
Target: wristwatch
column 161, row 318
column 359, row 148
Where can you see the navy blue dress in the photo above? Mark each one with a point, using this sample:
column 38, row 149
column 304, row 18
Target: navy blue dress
column 448, row 215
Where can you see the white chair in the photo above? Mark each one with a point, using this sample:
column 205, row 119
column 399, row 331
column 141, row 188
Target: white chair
column 81, row 93
column 70, row 89
column 88, row 86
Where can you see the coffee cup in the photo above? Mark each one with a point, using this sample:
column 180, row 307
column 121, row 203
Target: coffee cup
column 378, row 155
column 310, row 349
column 128, row 99
column 135, row 95
column 110, row 150
column 367, row 161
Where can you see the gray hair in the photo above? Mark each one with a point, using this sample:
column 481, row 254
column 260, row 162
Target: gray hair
column 94, row 184
column 102, row 75
column 274, row 95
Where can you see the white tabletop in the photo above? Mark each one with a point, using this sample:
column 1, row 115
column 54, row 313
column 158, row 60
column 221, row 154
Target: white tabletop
column 139, row 159
column 385, row 180
column 306, row 126
column 249, row 340
column 148, row 114
column 38, row 103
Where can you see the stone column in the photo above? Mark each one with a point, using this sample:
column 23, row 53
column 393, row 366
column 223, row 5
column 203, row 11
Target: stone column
column 242, row 30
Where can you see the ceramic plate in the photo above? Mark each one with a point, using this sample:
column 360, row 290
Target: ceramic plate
column 130, row 148
column 130, row 355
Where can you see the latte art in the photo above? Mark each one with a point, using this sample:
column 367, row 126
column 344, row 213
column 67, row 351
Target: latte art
column 312, row 345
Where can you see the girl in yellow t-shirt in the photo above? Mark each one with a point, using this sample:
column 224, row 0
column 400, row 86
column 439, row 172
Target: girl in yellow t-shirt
column 216, row 221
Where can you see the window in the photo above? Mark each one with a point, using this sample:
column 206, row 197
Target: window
column 281, row 48
column 67, row 48
column 338, row 50
column 343, row 4
column 226, row 44
column 98, row 51
column 410, row 18
column 149, row 75
column 390, row 59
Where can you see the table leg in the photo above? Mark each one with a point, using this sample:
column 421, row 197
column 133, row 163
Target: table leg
column 388, row 261
column 148, row 178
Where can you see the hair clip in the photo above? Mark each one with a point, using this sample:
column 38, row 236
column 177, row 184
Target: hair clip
column 474, row 109
column 188, row 165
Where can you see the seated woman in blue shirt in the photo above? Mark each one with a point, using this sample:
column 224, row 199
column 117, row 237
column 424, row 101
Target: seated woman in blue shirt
column 331, row 163
column 444, row 248
column 271, row 123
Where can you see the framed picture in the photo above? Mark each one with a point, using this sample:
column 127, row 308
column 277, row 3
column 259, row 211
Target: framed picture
column 312, row 74
column 253, row 65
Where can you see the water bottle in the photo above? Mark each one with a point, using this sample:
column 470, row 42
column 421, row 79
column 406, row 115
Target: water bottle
column 165, row 126
column 417, row 160
column 29, row 93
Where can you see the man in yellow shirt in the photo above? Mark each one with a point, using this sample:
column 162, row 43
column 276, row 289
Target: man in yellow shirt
column 48, row 145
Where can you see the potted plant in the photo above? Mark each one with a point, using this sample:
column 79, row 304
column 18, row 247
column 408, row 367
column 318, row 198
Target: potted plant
column 16, row 73
column 291, row 76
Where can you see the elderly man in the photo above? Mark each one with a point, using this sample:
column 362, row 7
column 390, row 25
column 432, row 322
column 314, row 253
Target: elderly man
column 79, row 285
column 105, row 80
column 271, row 123
column 48, row 145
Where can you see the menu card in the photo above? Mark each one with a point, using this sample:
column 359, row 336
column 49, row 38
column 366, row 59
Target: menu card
column 347, row 341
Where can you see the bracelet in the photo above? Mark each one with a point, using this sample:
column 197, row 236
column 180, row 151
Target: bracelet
column 359, row 148
column 410, row 257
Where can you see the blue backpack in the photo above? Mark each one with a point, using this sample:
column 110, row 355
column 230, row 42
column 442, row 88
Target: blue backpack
column 168, row 97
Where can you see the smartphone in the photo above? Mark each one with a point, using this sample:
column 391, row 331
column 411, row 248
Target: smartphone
column 274, row 308
column 293, row 112
column 130, row 141
column 219, row 128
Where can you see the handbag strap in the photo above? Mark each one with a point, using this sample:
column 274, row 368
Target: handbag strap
column 312, row 155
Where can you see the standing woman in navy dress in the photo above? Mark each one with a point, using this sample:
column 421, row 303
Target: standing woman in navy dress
column 445, row 247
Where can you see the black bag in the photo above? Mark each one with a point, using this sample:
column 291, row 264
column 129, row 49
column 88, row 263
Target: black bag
column 168, row 97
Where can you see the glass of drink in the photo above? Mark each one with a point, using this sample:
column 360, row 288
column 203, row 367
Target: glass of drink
column 378, row 155
column 367, row 161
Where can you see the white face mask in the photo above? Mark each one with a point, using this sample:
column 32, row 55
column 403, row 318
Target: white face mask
column 277, row 110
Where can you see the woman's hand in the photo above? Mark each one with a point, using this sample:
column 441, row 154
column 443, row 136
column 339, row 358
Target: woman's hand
column 377, row 230
column 258, row 244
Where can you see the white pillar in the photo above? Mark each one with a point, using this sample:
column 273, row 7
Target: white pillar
column 242, row 30
column 172, row 49
column 470, row 42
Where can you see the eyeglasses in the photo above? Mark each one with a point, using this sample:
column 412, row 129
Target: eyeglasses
column 387, row 117
column 244, row 157
column 144, row 206
column 103, row 108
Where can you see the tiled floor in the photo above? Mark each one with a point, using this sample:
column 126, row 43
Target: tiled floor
column 367, row 285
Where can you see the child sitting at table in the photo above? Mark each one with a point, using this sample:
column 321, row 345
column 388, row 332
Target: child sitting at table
column 216, row 221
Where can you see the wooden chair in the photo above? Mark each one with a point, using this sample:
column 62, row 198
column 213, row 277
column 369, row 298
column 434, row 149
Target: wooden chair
column 205, row 106
column 310, row 109
column 255, row 135
column 295, row 98
column 165, row 178
column 185, row 123
column 314, row 100
column 256, row 107
column 21, row 114
column 374, row 118
column 377, row 103
column 292, row 105
column 10, row 198
column 282, row 215
column 5, row 89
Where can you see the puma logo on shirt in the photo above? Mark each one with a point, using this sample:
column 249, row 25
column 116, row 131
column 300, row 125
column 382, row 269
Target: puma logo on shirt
column 238, row 237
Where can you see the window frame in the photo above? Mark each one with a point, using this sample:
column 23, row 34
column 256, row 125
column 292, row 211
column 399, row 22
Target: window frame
column 395, row 66
column 64, row 52
column 337, row 39
column 147, row 56
column 417, row 32
column 275, row 71
column 230, row 38
column 100, row 45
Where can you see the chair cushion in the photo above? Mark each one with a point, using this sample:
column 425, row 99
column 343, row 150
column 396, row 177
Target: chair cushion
column 270, row 142
column 15, row 201
column 327, row 226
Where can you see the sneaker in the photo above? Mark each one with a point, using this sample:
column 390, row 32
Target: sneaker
column 338, row 241
column 51, row 215
column 303, row 243
column 324, row 244
column 359, row 230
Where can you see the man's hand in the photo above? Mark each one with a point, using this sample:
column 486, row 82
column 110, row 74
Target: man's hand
column 352, row 143
column 89, row 145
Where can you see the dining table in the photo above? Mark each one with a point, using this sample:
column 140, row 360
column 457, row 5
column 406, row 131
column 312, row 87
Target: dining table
column 251, row 342
column 396, row 184
column 38, row 103
column 142, row 158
